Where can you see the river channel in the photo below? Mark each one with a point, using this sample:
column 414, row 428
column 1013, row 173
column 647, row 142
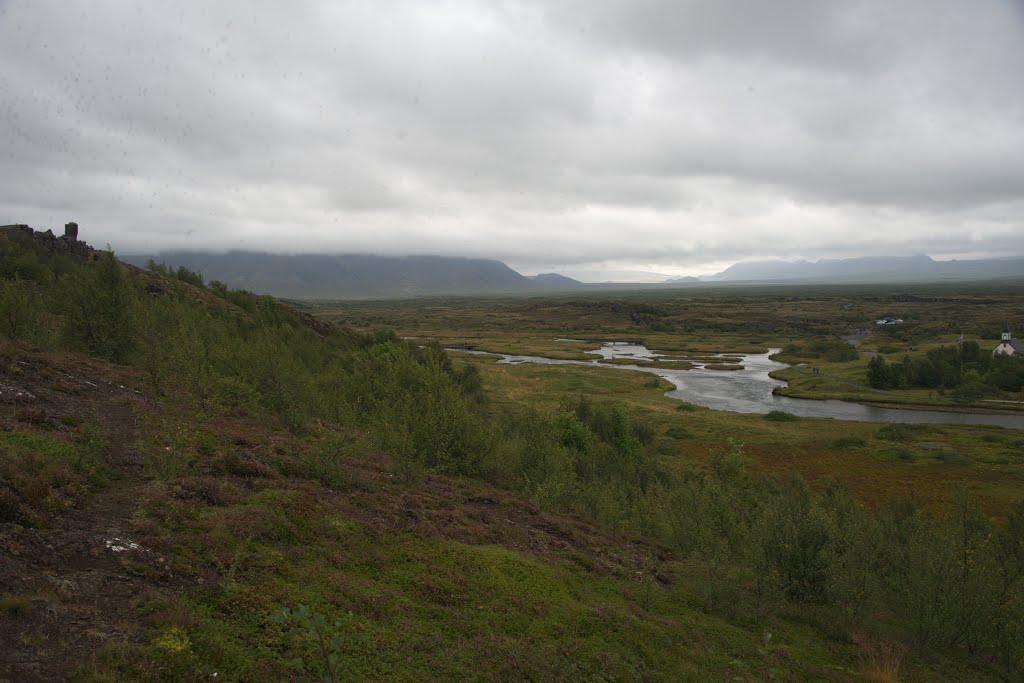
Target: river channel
column 750, row 390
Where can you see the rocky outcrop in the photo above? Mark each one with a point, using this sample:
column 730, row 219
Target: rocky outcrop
column 67, row 244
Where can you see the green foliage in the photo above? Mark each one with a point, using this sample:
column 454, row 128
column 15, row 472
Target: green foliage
column 972, row 373
column 878, row 375
column 793, row 537
column 43, row 477
column 181, row 273
column 971, row 391
column 955, row 582
column 418, row 406
column 899, row 431
column 829, row 349
column 191, row 277
column 949, row 577
column 19, row 309
column 754, row 542
column 157, row 326
column 587, row 457
column 99, row 309
column 317, row 646
column 1005, row 373
column 780, row 416
column 21, row 258
column 276, row 369
column 895, row 454
column 710, row 518
column 676, row 432
column 255, row 354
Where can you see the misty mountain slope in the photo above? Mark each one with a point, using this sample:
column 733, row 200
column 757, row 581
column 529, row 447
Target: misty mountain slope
column 348, row 275
column 871, row 269
column 555, row 280
column 354, row 276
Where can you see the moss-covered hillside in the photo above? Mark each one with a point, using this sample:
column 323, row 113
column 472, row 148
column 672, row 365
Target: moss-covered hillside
column 203, row 484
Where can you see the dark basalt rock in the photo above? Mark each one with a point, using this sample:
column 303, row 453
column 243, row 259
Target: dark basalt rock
column 67, row 244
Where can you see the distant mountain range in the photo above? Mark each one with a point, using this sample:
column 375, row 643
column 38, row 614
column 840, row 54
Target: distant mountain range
column 556, row 280
column 870, row 269
column 349, row 276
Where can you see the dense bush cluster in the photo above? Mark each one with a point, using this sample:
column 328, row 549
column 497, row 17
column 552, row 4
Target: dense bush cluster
column 970, row 371
column 585, row 457
column 220, row 349
column 953, row 582
column 829, row 348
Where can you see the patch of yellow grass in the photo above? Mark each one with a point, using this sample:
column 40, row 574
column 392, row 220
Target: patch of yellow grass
column 880, row 662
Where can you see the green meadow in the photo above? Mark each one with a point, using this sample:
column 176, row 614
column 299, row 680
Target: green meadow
column 227, row 487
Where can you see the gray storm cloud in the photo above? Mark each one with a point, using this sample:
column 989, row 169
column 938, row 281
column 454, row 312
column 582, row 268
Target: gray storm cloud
column 671, row 137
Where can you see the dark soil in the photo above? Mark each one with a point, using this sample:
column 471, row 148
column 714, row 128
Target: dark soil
column 67, row 588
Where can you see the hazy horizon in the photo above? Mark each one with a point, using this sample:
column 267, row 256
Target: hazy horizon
column 588, row 277
column 595, row 139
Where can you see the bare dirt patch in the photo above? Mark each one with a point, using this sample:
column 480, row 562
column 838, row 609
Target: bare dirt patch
column 68, row 584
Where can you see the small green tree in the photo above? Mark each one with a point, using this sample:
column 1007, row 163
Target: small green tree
column 878, row 375
column 709, row 517
column 793, row 539
column 98, row 307
column 19, row 306
column 322, row 644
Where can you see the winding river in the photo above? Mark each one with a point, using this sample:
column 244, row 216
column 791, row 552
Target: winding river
column 750, row 390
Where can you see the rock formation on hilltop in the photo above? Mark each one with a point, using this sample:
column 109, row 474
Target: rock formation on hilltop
column 68, row 243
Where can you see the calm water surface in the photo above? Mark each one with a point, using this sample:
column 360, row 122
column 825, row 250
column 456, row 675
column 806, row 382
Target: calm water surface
column 750, row 390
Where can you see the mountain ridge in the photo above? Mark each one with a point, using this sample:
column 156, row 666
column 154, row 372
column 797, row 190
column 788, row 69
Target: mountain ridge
column 869, row 269
column 555, row 280
column 367, row 276
column 346, row 275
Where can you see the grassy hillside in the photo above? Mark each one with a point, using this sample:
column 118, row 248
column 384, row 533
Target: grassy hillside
column 195, row 480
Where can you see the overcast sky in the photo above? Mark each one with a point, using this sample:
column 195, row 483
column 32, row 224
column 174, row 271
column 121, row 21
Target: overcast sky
column 587, row 137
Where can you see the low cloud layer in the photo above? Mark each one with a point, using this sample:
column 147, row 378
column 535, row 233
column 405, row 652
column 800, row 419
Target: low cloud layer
column 574, row 136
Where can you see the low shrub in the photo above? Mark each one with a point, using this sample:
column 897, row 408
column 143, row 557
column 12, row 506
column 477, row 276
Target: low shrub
column 900, row 432
column 951, row 458
column 896, row 454
column 781, row 416
column 678, row 433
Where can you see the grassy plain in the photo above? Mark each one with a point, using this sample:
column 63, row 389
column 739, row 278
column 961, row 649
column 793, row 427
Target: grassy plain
column 707, row 318
column 923, row 462
column 878, row 462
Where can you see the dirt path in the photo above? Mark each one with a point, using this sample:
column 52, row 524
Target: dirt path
column 74, row 583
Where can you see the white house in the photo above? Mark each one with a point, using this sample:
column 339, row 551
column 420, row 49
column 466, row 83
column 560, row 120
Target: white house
column 1008, row 346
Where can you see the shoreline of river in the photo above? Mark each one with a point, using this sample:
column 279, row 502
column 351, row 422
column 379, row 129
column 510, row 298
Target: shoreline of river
column 750, row 391
column 894, row 405
column 789, row 392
